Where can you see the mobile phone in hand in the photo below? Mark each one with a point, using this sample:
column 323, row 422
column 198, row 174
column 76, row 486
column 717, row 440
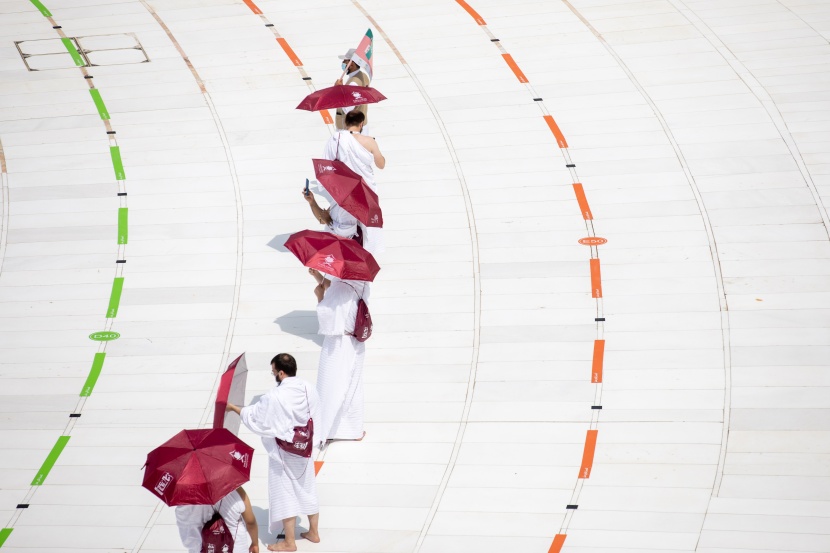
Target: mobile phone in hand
column 306, row 187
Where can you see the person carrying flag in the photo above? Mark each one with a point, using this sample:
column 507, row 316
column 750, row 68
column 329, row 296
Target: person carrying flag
column 357, row 64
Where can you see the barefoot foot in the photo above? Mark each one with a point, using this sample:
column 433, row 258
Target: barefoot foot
column 313, row 537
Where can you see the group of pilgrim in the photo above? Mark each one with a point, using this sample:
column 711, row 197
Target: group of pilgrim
column 335, row 407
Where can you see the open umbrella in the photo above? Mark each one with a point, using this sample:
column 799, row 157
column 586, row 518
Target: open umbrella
column 231, row 390
column 333, row 255
column 198, row 467
column 349, row 190
column 339, row 96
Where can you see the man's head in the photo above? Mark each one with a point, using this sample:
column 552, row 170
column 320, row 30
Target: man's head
column 283, row 366
column 346, row 61
column 355, row 119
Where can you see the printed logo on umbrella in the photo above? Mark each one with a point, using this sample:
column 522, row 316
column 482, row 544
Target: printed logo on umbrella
column 240, row 457
column 321, row 168
column 374, row 219
column 357, row 96
column 163, row 483
column 328, row 262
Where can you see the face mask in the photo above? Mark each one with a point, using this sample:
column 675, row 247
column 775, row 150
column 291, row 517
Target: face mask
column 343, row 66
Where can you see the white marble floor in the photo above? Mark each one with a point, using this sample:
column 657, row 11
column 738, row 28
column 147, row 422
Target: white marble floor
column 664, row 391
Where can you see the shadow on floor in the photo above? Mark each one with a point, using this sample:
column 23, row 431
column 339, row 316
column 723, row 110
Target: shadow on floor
column 278, row 242
column 302, row 324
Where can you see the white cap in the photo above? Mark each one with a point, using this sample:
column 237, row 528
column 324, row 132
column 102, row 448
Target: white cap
column 348, row 55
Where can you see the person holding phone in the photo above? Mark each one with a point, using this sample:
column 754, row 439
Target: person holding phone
column 337, row 220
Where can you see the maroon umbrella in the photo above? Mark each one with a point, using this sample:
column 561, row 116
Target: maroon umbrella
column 339, row 96
column 333, row 255
column 198, row 467
column 349, row 190
column 231, row 390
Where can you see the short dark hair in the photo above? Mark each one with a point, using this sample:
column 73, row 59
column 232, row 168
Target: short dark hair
column 286, row 363
column 354, row 118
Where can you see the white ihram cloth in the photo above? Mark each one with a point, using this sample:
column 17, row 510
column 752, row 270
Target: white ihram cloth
column 292, row 490
column 345, row 147
column 340, row 373
column 191, row 518
column 342, row 223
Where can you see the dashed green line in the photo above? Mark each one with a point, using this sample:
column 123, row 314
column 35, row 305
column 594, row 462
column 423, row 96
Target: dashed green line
column 4, row 535
column 70, row 47
column 115, row 297
column 122, row 225
column 50, row 461
column 94, row 373
column 115, row 152
column 99, row 103
column 42, row 8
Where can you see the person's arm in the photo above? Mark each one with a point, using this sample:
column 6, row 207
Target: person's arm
column 231, row 407
column 320, row 214
column 250, row 521
column 380, row 161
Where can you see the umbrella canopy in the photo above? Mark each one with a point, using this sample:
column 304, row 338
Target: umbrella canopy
column 349, row 190
column 339, row 96
column 333, row 255
column 231, row 390
column 198, row 467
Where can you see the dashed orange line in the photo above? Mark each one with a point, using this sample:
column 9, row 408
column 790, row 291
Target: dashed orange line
column 326, row 117
column 596, row 281
column 317, row 466
column 254, row 7
column 558, row 542
column 512, row 64
column 560, row 138
column 588, row 454
column 471, row 11
column 582, row 201
column 596, row 365
column 291, row 55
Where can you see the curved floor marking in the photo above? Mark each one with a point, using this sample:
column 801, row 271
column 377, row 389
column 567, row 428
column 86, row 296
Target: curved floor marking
column 118, row 280
column 596, row 374
column 764, row 99
column 724, row 309
column 295, row 59
column 207, row 413
column 471, row 379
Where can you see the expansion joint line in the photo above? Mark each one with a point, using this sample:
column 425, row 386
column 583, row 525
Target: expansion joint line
column 226, row 351
column 763, row 98
column 474, row 246
column 713, row 246
column 593, row 242
column 104, row 336
column 4, row 200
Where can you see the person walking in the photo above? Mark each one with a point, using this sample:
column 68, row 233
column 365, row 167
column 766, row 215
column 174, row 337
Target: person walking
column 284, row 418
column 340, row 372
column 361, row 154
column 353, row 77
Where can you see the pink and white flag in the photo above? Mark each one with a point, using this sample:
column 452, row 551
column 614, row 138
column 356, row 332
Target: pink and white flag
column 364, row 53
